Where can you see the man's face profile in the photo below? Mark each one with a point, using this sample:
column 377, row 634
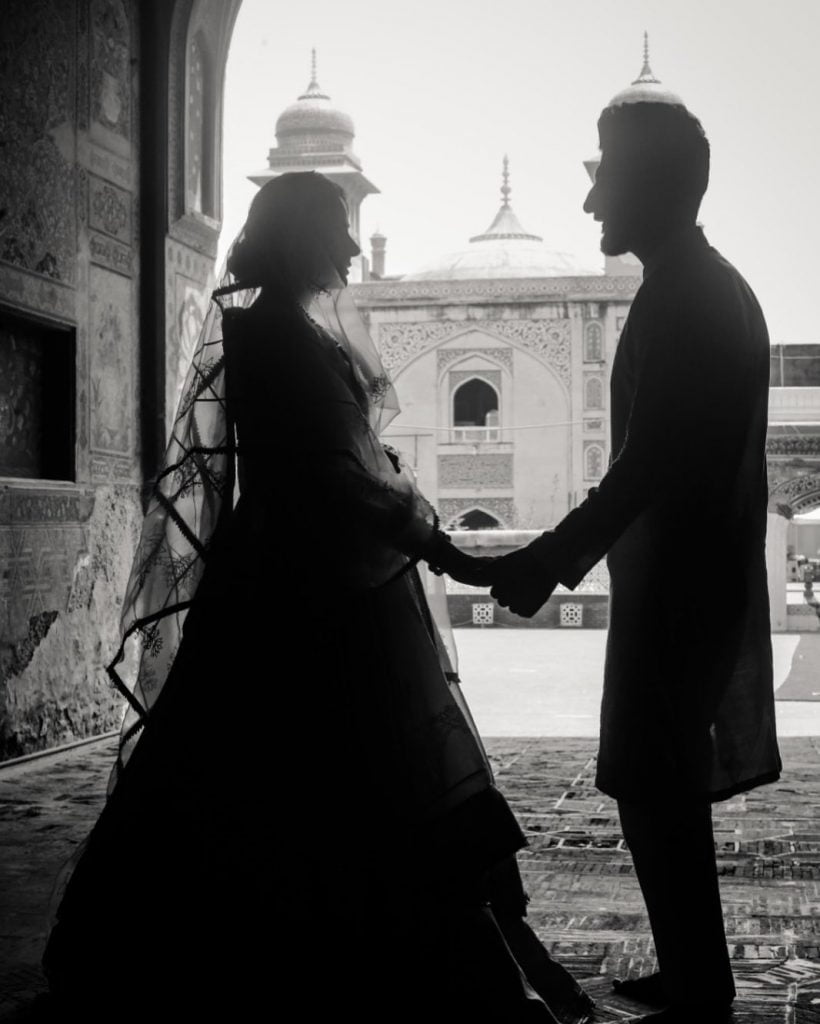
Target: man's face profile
column 617, row 202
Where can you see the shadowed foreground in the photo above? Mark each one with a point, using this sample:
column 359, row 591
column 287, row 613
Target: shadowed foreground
column 585, row 902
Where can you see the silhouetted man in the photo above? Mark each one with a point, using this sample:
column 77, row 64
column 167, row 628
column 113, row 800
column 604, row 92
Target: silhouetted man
column 688, row 711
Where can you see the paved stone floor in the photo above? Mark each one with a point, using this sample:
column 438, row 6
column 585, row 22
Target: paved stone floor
column 585, row 901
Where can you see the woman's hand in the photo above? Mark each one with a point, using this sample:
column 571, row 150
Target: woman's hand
column 444, row 557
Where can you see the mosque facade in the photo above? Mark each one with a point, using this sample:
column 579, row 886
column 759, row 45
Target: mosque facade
column 501, row 353
column 500, row 350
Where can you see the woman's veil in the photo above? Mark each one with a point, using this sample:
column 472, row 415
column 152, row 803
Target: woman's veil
column 189, row 497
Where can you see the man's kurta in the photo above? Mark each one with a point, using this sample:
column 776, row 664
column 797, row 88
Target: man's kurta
column 688, row 702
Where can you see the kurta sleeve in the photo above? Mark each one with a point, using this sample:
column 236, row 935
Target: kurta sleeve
column 689, row 403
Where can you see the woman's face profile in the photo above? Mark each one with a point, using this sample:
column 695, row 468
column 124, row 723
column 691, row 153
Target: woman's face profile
column 340, row 247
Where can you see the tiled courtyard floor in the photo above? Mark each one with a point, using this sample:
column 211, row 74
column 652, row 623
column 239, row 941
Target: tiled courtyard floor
column 585, row 901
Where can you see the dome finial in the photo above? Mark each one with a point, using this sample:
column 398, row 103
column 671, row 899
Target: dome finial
column 505, row 223
column 646, row 75
column 313, row 91
column 505, row 183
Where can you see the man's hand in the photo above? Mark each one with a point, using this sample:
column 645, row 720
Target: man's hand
column 521, row 582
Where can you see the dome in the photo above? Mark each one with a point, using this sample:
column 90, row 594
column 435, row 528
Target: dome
column 504, row 250
column 646, row 88
column 313, row 115
column 500, row 258
column 312, row 112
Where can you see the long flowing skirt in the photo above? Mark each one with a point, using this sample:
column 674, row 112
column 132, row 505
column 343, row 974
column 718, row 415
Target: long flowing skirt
column 307, row 812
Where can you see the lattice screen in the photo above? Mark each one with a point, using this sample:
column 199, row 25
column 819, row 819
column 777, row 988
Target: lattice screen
column 483, row 614
column 572, row 614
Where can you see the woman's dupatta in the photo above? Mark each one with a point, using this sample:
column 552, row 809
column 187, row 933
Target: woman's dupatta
column 190, row 497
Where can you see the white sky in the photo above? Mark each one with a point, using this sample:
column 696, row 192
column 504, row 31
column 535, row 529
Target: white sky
column 439, row 90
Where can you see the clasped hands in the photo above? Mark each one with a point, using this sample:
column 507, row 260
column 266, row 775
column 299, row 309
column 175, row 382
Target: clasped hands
column 519, row 581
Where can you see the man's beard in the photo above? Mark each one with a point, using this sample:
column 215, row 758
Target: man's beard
column 612, row 244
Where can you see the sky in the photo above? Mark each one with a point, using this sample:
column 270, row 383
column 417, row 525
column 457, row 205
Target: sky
column 440, row 90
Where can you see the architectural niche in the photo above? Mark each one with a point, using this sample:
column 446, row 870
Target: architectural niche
column 593, row 343
column 593, row 461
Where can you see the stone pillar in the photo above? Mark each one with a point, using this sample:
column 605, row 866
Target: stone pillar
column 776, row 536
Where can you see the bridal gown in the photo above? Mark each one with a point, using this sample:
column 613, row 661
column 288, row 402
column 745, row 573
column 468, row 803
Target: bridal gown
column 308, row 819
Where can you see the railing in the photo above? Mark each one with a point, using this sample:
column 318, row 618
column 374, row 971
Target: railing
column 794, row 404
column 473, row 435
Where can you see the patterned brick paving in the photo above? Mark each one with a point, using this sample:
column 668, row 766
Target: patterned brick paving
column 585, row 904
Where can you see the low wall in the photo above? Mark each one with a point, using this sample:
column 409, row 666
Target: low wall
column 589, row 611
column 592, row 594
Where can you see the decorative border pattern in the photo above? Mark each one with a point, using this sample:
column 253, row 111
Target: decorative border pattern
column 491, row 377
column 603, row 287
column 445, row 356
column 108, row 253
column 109, row 209
column 26, row 290
column 806, row 444
column 548, row 340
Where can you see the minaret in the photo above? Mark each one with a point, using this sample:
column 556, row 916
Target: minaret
column 378, row 254
column 313, row 135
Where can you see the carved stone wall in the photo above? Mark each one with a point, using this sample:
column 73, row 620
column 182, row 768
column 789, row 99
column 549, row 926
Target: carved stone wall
column 77, row 227
column 66, row 555
column 188, row 285
column 38, row 68
column 68, row 242
column 494, row 469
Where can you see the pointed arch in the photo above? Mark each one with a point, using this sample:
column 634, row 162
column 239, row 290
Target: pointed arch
column 475, row 406
column 475, row 518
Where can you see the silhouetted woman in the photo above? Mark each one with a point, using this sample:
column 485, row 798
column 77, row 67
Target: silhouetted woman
column 302, row 818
